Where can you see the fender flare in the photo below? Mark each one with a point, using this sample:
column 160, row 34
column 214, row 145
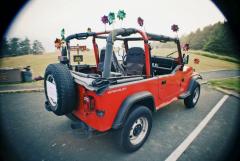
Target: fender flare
column 128, row 104
column 194, row 81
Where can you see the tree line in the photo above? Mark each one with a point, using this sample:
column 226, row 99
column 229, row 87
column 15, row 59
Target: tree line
column 216, row 38
column 16, row 47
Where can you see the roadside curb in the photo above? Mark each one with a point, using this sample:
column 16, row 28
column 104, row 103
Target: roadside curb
column 219, row 70
column 229, row 92
column 203, row 82
column 225, row 91
column 22, row 90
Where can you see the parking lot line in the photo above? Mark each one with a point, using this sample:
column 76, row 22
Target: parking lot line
column 184, row 145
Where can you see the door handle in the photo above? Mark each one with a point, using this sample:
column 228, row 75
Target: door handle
column 164, row 82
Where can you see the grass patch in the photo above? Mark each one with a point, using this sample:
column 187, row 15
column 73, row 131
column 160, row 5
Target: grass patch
column 39, row 63
column 207, row 60
column 228, row 83
column 215, row 56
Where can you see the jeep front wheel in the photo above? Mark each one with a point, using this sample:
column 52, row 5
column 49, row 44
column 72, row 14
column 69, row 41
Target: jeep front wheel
column 136, row 129
column 192, row 100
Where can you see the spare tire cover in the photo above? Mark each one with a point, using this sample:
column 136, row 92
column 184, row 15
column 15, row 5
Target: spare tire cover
column 59, row 89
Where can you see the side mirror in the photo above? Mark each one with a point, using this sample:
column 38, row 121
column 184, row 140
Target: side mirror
column 185, row 59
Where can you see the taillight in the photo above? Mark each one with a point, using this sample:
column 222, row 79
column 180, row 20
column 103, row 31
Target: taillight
column 89, row 102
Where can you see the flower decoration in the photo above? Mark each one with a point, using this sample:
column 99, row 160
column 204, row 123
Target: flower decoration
column 58, row 43
column 111, row 18
column 104, row 19
column 121, row 14
column 185, row 47
column 140, row 21
column 196, row 61
column 175, row 28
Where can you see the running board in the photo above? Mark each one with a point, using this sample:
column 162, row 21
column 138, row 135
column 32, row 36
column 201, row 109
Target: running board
column 184, row 95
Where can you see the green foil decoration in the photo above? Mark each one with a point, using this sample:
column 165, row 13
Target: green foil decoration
column 111, row 17
column 121, row 14
column 63, row 34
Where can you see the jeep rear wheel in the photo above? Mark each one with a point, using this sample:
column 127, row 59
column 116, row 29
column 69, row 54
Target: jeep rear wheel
column 136, row 129
column 59, row 89
column 192, row 100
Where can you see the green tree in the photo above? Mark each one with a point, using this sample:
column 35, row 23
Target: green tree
column 5, row 51
column 14, row 46
column 25, row 47
column 221, row 41
column 37, row 47
column 215, row 38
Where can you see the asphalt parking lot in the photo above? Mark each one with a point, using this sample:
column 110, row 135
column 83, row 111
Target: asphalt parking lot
column 33, row 134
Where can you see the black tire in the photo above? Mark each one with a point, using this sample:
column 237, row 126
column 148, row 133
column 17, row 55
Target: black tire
column 123, row 134
column 60, row 76
column 191, row 100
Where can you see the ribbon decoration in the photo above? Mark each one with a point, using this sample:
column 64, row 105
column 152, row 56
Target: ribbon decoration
column 196, row 61
column 104, row 19
column 175, row 28
column 121, row 14
column 140, row 21
column 63, row 34
column 58, row 43
column 186, row 47
column 89, row 29
column 111, row 18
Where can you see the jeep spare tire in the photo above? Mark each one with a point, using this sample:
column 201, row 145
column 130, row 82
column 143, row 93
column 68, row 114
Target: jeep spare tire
column 59, row 89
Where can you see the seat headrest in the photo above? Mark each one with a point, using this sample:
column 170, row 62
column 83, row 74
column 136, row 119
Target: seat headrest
column 135, row 61
column 136, row 54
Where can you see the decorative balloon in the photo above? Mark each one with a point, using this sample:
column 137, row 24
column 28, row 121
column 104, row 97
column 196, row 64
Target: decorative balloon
column 111, row 18
column 140, row 21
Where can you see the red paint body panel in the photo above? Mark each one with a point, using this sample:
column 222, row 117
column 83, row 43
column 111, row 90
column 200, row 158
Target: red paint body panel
column 164, row 89
column 111, row 100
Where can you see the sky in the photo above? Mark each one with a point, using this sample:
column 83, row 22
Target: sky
column 43, row 19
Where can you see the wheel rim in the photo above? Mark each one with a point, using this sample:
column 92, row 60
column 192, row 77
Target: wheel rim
column 138, row 130
column 51, row 91
column 195, row 95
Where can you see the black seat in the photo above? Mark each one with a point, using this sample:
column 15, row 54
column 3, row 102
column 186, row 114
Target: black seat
column 115, row 66
column 135, row 60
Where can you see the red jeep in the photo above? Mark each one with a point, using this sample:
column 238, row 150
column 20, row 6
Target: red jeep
column 120, row 95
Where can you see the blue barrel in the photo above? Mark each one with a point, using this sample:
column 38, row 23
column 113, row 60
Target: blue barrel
column 27, row 75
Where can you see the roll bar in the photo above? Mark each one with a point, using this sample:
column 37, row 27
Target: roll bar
column 112, row 36
column 109, row 48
